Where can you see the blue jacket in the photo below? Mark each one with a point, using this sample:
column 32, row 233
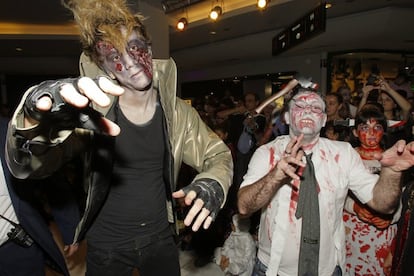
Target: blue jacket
column 29, row 217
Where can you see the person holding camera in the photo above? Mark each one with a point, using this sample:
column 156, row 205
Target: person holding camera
column 396, row 108
column 395, row 105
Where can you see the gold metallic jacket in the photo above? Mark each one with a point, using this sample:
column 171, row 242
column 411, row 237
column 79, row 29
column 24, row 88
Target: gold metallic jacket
column 35, row 152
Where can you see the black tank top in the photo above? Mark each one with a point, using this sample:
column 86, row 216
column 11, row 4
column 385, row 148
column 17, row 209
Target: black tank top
column 136, row 204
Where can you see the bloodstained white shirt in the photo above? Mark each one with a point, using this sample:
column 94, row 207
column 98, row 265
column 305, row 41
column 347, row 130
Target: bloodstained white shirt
column 338, row 167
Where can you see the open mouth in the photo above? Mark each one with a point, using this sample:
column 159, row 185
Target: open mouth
column 306, row 123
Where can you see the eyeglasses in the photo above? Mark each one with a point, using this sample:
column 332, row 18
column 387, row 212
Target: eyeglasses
column 314, row 108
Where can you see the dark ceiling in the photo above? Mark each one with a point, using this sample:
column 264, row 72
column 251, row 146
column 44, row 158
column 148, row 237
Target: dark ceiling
column 239, row 36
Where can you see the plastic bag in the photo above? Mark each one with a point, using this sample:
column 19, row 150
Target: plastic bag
column 246, row 141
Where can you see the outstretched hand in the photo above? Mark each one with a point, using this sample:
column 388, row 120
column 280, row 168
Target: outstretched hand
column 80, row 94
column 207, row 196
column 399, row 157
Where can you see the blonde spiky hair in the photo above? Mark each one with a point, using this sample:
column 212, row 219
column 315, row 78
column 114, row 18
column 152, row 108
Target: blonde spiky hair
column 101, row 20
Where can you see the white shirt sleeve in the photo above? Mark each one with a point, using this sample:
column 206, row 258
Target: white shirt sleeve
column 361, row 181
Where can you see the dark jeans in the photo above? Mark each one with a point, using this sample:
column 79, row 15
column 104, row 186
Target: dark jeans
column 260, row 269
column 22, row 261
column 159, row 258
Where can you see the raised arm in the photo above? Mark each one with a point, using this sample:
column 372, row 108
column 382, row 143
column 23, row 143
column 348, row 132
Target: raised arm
column 255, row 196
column 400, row 100
column 239, row 109
column 365, row 93
column 387, row 191
column 48, row 116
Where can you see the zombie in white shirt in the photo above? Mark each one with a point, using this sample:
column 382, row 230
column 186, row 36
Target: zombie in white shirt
column 272, row 184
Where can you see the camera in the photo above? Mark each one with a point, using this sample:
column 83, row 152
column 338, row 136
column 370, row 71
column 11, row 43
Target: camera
column 19, row 236
column 372, row 79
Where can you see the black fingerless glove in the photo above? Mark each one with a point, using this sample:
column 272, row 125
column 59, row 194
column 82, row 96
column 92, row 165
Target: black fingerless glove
column 61, row 115
column 210, row 192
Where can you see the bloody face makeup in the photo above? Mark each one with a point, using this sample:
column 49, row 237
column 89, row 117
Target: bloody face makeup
column 133, row 65
column 307, row 114
column 370, row 133
column 110, row 54
column 139, row 51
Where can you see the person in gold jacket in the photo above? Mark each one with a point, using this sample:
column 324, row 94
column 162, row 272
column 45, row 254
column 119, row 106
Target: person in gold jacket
column 132, row 133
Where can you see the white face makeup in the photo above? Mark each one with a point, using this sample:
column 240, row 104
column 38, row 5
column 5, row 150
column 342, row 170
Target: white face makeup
column 306, row 114
column 131, row 67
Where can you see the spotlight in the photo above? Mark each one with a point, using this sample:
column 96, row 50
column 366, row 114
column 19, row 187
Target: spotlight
column 215, row 13
column 181, row 24
column 262, row 4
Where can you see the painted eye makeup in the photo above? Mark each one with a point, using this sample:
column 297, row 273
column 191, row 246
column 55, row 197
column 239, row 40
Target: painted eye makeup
column 137, row 45
column 105, row 48
column 115, row 57
column 313, row 107
column 366, row 128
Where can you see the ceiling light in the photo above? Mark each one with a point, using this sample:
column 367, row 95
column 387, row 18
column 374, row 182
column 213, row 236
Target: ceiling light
column 262, row 4
column 182, row 24
column 215, row 13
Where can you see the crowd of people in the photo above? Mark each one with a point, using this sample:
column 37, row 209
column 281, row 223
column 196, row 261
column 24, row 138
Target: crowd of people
column 321, row 185
column 273, row 184
column 373, row 124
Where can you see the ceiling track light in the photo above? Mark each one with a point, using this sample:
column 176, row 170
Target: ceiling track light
column 262, row 4
column 182, row 24
column 215, row 13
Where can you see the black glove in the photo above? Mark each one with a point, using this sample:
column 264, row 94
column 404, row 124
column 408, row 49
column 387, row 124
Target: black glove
column 61, row 115
column 210, row 192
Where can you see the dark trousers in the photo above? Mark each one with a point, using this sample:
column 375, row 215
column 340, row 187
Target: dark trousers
column 22, row 261
column 158, row 258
